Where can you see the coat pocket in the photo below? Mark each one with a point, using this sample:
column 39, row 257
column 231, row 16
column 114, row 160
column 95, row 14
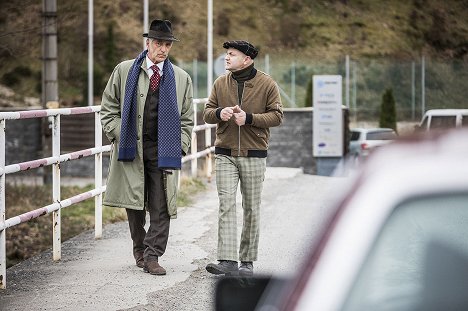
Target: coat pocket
column 171, row 182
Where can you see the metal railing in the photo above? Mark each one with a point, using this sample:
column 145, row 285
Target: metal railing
column 57, row 158
column 54, row 160
column 207, row 149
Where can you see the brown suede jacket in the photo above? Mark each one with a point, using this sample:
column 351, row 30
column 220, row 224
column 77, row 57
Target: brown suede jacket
column 262, row 103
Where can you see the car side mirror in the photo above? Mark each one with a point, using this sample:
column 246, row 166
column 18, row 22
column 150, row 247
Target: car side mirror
column 239, row 293
column 247, row 293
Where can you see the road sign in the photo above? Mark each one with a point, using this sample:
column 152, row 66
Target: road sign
column 219, row 65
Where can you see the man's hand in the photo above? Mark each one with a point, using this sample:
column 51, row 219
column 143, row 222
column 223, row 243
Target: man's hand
column 239, row 115
column 226, row 113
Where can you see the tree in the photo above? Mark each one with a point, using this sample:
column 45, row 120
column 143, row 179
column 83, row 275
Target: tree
column 308, row 98
column 388, row 111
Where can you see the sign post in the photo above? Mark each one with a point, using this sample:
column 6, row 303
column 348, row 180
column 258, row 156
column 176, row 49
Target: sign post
column 327, row 122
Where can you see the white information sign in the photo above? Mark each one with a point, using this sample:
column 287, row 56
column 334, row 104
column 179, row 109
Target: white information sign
column 219, row 65
column 328, row 116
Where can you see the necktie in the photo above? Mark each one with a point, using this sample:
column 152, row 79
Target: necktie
column 155, row 78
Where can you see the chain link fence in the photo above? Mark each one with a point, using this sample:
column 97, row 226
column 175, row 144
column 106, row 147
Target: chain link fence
column 417, row 85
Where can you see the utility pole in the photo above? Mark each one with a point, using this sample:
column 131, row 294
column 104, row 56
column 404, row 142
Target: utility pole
column 90, row 53
column 49, row 74
column 145, row 21
column 49, row 54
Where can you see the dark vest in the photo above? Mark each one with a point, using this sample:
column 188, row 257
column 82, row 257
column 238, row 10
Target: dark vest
column 150, row 121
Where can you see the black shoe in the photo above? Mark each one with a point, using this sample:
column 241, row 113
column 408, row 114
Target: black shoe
column 227, row 267
column 246, row 268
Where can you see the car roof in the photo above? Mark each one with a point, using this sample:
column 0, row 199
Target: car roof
column 373, row 129
column 446, row 112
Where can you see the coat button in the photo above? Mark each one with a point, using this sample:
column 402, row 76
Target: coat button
column 139, row 116
column 138, row 138
column 141, row 95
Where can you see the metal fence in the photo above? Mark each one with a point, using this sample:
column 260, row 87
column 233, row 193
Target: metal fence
column 57, row 158
column 418, row 84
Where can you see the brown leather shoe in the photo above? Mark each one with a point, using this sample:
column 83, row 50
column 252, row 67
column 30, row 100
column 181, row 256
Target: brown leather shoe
column 140, row 262
column 153, row 267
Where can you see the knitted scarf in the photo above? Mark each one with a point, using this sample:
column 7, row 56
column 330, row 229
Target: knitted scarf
column 169, row 132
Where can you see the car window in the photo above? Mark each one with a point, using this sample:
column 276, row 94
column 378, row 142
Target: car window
column 382, row 135
column 424, row 123
column 464, row 121
column 355, row 135
column 419, row 261
column 443, row 122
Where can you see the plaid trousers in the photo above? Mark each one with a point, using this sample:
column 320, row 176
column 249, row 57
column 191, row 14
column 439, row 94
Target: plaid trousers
column 251, row 174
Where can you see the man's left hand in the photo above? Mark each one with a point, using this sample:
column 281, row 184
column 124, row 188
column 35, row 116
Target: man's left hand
column 239, row 116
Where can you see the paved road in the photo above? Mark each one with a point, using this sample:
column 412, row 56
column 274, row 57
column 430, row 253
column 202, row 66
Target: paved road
column 101, row 275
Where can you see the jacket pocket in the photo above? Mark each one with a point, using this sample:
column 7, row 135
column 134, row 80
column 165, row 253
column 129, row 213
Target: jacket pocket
column 112, row 130
column 171, row 182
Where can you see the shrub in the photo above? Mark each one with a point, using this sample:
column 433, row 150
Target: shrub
column 388, row 111
column 10, row 78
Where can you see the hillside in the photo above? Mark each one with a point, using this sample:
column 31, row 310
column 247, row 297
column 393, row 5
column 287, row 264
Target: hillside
column 287, row 30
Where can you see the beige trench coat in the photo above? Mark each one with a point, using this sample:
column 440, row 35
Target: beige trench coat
column 125, row 181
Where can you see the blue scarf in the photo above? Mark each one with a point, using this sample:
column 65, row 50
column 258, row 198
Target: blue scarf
column 169, row 131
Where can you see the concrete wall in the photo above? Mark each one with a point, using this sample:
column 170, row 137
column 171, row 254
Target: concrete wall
column 291, row 143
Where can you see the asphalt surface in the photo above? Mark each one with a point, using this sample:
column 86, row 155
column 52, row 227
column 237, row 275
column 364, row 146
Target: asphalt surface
column 101, row 274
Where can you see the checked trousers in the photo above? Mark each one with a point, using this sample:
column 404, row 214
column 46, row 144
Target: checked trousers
column 250, row 173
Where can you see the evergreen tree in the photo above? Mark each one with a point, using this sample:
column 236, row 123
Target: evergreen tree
column 308, row 98
column 388, row 111
column 110, row 50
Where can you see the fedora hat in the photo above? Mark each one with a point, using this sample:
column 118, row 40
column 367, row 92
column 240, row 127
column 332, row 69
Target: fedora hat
column 160, row 29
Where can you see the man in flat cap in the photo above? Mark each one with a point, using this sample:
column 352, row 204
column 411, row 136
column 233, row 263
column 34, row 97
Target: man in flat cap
column 147, row 114
column 244, row 104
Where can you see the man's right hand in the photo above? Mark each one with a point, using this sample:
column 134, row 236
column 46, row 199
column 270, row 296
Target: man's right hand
column 226, row 113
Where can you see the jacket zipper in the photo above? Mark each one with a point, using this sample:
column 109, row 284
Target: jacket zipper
column 240, row 105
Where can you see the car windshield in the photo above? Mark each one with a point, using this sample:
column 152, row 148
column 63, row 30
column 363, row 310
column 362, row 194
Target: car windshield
column 381, row 135
column 354, row 135
column 419, row 261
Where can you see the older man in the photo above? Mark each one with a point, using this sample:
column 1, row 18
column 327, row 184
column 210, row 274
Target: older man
column 147, row 114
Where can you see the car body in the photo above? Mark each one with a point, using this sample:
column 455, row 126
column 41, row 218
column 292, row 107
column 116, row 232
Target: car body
column 396, row 239
column 364, row 140
column 442, row 119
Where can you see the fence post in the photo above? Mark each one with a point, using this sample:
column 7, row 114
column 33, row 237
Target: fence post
column 98, row 177
column 208, row 160
column 193, row 148
column 57, row 222
column 2, row 207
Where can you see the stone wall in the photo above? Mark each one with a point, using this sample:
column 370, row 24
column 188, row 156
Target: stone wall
column 291, row 143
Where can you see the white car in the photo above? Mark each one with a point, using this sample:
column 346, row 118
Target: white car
column 442, row 119
column 363, row 140
column 397, row 239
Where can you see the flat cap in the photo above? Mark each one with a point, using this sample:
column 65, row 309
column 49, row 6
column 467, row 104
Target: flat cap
column 243, row 46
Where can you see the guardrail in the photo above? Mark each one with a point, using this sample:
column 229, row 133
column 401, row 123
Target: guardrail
column 57, row 158
column 207, row 149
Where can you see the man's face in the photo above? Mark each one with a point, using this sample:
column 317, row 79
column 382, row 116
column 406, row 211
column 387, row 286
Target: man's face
column 235, row 60
column 158, row 50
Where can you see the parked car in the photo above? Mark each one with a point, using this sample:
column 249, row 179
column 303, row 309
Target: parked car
column 364, row 140
column 396, row 239
column 441, row 119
